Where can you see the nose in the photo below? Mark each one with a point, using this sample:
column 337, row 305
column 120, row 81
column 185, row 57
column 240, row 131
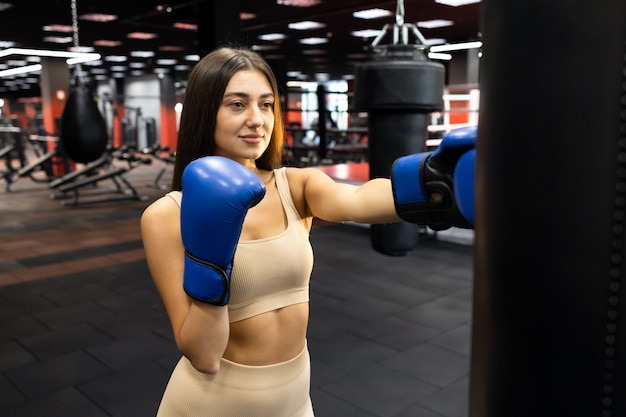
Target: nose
column 255, row 118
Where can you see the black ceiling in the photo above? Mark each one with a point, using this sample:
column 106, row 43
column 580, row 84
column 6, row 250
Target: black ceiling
column 23, row 22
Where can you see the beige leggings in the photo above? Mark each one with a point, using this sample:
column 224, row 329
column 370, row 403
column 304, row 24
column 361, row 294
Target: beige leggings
column 278, row 390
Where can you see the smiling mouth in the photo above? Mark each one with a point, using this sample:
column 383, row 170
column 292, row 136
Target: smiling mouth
column 252, row 139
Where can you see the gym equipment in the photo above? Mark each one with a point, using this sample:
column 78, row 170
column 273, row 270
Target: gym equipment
column 217, row 193
column 83, row 130
column 12, row 148
column 75, row 184
column 416, row 178
column 549, row 322
column 41, row 164
column 398, row 88
column 164, row 154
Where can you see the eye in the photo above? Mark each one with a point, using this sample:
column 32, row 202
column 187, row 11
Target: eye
column 237, row 105
column 269, row 105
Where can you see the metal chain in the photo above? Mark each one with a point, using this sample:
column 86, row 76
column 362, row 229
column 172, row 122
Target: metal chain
column 79, row 77
column 75, row 24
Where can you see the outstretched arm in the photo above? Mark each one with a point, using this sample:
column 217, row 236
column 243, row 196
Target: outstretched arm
column 429, row 188
column 369, row 203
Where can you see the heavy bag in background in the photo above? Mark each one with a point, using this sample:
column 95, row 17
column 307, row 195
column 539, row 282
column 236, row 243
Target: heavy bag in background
column 399, row 89
column 549, row 323
column 83, row 130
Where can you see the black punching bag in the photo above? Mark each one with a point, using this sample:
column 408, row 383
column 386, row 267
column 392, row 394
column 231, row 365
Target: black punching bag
column 83, row 130
column 399, row 88
column 549, row 323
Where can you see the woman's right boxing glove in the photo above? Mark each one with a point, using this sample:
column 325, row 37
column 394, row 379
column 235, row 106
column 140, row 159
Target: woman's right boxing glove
column 217, row 193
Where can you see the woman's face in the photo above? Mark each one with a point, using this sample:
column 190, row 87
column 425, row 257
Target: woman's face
column 245, row 119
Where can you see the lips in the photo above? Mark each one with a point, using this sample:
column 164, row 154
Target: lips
column 253, row 139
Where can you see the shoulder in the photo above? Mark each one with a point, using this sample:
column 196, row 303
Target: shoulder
column 161, row 214
column 301, row 176
column 302, row 184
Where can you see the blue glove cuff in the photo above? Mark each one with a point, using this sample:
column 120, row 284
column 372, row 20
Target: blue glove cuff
column 405, row 178
column 464, row 188
column 205, row 281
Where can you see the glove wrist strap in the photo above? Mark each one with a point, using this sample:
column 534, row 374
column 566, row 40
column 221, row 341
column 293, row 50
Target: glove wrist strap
column 206, row 282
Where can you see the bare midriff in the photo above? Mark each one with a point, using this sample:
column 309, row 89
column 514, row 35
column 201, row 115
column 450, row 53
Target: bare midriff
column 269, row 338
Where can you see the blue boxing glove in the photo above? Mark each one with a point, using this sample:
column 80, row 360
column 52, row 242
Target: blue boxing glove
column 464, row 181
column 423, row 183
column 217, row 193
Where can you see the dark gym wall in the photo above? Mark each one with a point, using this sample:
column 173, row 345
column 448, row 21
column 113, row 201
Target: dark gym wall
column 549, row 336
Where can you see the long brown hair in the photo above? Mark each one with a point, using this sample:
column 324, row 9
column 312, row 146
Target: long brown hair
column 203, row 96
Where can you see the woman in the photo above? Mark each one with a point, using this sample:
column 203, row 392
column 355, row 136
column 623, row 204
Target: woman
column 248, row 358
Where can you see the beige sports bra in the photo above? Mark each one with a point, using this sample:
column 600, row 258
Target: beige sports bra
column 273, row 272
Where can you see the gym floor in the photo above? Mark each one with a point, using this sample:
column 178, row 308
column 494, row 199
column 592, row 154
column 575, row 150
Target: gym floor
column 83, row 332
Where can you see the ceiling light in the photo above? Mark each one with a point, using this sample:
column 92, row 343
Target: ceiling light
column 456, row 46
column 298, row 3
column 6, row 44
column 186, row 26
column 456, row 3
column 136, row 64
column 84, row 58
column 272, row 37
column 436, row 23
column 4, row 6
column 322, row 76
column 94, row 63
column 246, row 16
column 371, row 13
column 142, row 54
column 366, row 33
column 20, row 70
column 81, row 49
column 98, row 17
column 115, row 58
column 103, row 42
column 313, row 41
column 192, row 58
column 118, row 68
column 306, row 25
column 439, row 55
column 163, row 7
column 166, row 61
column 58, row 28
column 141, row 35
column 58, row 39
column 73, row 58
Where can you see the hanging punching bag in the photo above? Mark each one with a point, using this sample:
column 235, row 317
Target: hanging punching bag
column 83, row 130
column 549, row 322
column 399, row 89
